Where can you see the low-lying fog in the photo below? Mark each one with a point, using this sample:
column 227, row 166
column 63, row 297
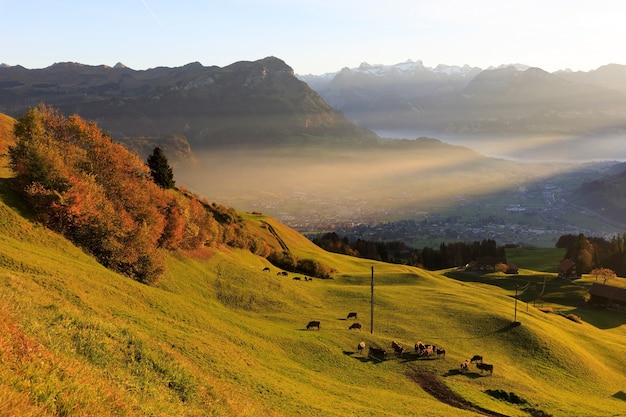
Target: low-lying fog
column 311, row 187
column 533, row 148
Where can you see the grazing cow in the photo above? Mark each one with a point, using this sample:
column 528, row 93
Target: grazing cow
column 361, row 347
column 485, row 367
column 477, row 358
column 266, row 269
column 377, row 353
column 423, row 350
column 397, row 348
column 313, row 324
column 440, row 352
column 296, row 278
column 355, row 326
column 465, row 365
column 352, row 315
column 284, row 273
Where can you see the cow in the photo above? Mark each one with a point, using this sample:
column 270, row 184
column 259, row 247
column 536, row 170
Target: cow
column 423, row 350
column 361, row 347
column 352, row 315
column 296, row 278
column 266, row 269
column 397, row 348
column 477, row 358
column 485, row 367
column 440, row 352
column 465, row 365
column 313, row 324
column 377, row 353
column 355, row 326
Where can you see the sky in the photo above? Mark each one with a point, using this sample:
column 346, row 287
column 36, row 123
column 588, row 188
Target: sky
column 314, row 36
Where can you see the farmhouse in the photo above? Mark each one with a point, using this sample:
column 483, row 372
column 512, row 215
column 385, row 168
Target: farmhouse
column 567, row 269
column 608, row 296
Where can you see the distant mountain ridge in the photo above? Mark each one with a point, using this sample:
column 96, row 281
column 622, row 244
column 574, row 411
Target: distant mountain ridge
column 245, row 103
column 462, row 100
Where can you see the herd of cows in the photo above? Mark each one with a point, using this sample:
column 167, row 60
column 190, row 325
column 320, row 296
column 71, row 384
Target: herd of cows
column 420, row 349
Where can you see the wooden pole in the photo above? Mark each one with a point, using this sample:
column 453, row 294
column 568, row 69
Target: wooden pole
column 372, row 304
column 515, row 316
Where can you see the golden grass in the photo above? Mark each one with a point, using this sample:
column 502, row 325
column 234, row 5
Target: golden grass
column 218, row 336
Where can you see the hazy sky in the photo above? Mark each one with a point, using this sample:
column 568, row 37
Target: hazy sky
column 314, row 36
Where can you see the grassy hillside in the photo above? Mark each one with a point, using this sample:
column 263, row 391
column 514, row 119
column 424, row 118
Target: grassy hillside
column 219, row 336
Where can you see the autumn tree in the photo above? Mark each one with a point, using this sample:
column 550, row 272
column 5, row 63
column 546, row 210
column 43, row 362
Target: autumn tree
column 160, row 169
column 605, row 273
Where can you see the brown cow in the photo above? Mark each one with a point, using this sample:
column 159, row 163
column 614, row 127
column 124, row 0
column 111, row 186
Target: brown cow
column 397, row 348
column 377, row 353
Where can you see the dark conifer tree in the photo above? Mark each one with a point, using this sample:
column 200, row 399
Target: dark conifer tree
column 160, row 169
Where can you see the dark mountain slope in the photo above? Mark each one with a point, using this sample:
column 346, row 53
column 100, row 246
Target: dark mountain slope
column 245, row 103
column 606, row 196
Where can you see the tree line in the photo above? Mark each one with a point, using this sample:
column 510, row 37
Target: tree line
column 592, row 253
column 448, row 255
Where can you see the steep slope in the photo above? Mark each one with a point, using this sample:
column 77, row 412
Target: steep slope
column 221, row 336
column 242, row 104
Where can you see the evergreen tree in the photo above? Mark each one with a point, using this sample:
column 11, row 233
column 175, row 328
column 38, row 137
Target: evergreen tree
column 160, row 169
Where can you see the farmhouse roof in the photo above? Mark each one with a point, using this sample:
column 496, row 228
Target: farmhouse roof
column 608, row 291
column 566, row 264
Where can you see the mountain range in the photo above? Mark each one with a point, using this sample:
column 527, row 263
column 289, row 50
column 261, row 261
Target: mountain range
column 514, row 100
column 246, row 103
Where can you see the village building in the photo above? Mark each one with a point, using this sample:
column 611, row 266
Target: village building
column 608, row 296
column 567, row 269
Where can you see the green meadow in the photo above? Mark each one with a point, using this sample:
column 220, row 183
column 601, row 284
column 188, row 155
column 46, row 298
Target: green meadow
column 219, row 336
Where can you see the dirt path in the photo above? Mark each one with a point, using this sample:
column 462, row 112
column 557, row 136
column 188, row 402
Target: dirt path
column 433, row 386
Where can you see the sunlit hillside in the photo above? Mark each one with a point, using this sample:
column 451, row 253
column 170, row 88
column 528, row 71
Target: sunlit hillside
column 220, row 336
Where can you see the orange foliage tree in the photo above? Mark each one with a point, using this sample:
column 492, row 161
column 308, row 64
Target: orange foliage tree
column 102, row 196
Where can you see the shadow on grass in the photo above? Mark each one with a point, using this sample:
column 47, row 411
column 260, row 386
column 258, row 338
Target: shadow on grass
column 363, row 357
column 13, row 199
column 620, row 395
column 468, row 374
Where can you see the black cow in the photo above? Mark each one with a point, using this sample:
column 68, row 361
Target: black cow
column 377, row 353
column 355, row 326
column 476, row 358
column 266, row 269
column 485, row 367
column 352, row 315
column 440, row 351
column 313, row 324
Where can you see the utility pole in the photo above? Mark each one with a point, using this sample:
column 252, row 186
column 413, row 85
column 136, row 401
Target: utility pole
column 515, row 315
column 372, row 304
